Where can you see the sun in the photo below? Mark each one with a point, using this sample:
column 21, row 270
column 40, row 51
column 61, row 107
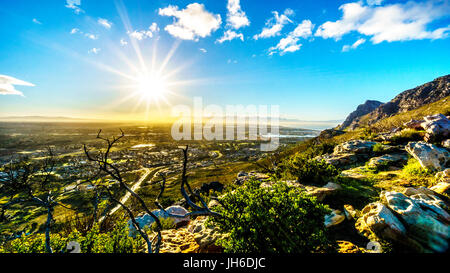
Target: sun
column 151, row 87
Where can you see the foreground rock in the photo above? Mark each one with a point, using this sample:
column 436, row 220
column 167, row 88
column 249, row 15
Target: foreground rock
column 349, row 153
column 437, row 127
column 178, row 241
column 206, row 237
column 429, row 155
column 388, row 160
column 243, row 177
column 334, row 218
column 416, row 219
column 348, row 247
column 146, row 220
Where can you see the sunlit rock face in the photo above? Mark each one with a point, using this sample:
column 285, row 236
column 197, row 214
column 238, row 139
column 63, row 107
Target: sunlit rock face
column 429, row 155
column 416, row 219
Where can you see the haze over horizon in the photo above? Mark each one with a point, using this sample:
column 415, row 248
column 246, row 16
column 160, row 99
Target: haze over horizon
column 133, row 60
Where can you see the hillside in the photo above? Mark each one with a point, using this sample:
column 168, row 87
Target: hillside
column 406, row 101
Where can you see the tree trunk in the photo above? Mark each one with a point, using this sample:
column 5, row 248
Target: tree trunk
column 47, row 229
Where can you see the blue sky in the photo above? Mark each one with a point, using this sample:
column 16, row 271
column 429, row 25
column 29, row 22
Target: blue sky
column 317, row 60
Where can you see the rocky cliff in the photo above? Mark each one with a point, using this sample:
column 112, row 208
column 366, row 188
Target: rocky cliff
column 408, row 100
column 363, row 109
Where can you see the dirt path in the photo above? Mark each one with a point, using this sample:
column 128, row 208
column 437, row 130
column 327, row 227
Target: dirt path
column 134, row 188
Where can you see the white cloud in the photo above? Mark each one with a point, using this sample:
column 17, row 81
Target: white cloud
column 7, row 85
column 394, row 22
column 359, row 42
column 275, row 24
column 105, row 23
column 123, row 42
column 75, row 5
column 236, row 17
column 74, row 30
column 230, row 35
column 291, row 42
column 192, row 22
column 353, row 13
column 36, row 21
column 91, row 36
column 94, row 50
column 144, row 34
column 203, row 50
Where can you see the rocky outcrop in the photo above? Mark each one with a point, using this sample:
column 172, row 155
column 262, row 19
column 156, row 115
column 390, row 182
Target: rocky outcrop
column 410, row 100
column 205, row 236
column 361, row 110
column 243, row 177
column 437, row 127
column 334, row 218
column 348, row 247
column 146, row 220
column 178, row 241
column 350, row 212
column 416, row 219
column 429, row 155
column 354, row 147
column 349, row 153
column 387, row 160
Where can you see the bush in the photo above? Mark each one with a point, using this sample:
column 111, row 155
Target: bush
column 115, row 241
column 379, row 148
column 307, row 170
column 407, row 135
column 414, row 169
column 281, row 219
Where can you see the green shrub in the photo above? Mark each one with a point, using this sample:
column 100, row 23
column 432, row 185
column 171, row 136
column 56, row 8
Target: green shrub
column 379, row 148
column 413, row 168
column 407, row 135
column 115, row 241
column 306, row 170
column 281, row 219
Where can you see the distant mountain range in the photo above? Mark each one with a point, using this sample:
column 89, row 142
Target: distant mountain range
column 372, row 111
column 43, row 119
column 297, row 123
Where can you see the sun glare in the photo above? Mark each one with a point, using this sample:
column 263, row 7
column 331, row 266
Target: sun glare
column 151, row 87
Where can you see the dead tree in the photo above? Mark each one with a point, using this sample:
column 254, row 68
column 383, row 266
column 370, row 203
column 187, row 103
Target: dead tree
column 34, row 183
column 105, row 165
column 108, row 167
column 202, row 210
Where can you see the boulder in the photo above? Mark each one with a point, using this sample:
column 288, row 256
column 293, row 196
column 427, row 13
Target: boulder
column 388, row 160
column 442, row 188
column 355, row 147
column 178, row 241
column 339, row 160
column 348, row 247
column 377, row 219
column 205, row 236
column 443, row 176
column 243, row 177
column 436, row 126
column 429, row 155
column 334, row 218
column 413, row 124
column 350, row 212
column 427, row 223
column 146, row 220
